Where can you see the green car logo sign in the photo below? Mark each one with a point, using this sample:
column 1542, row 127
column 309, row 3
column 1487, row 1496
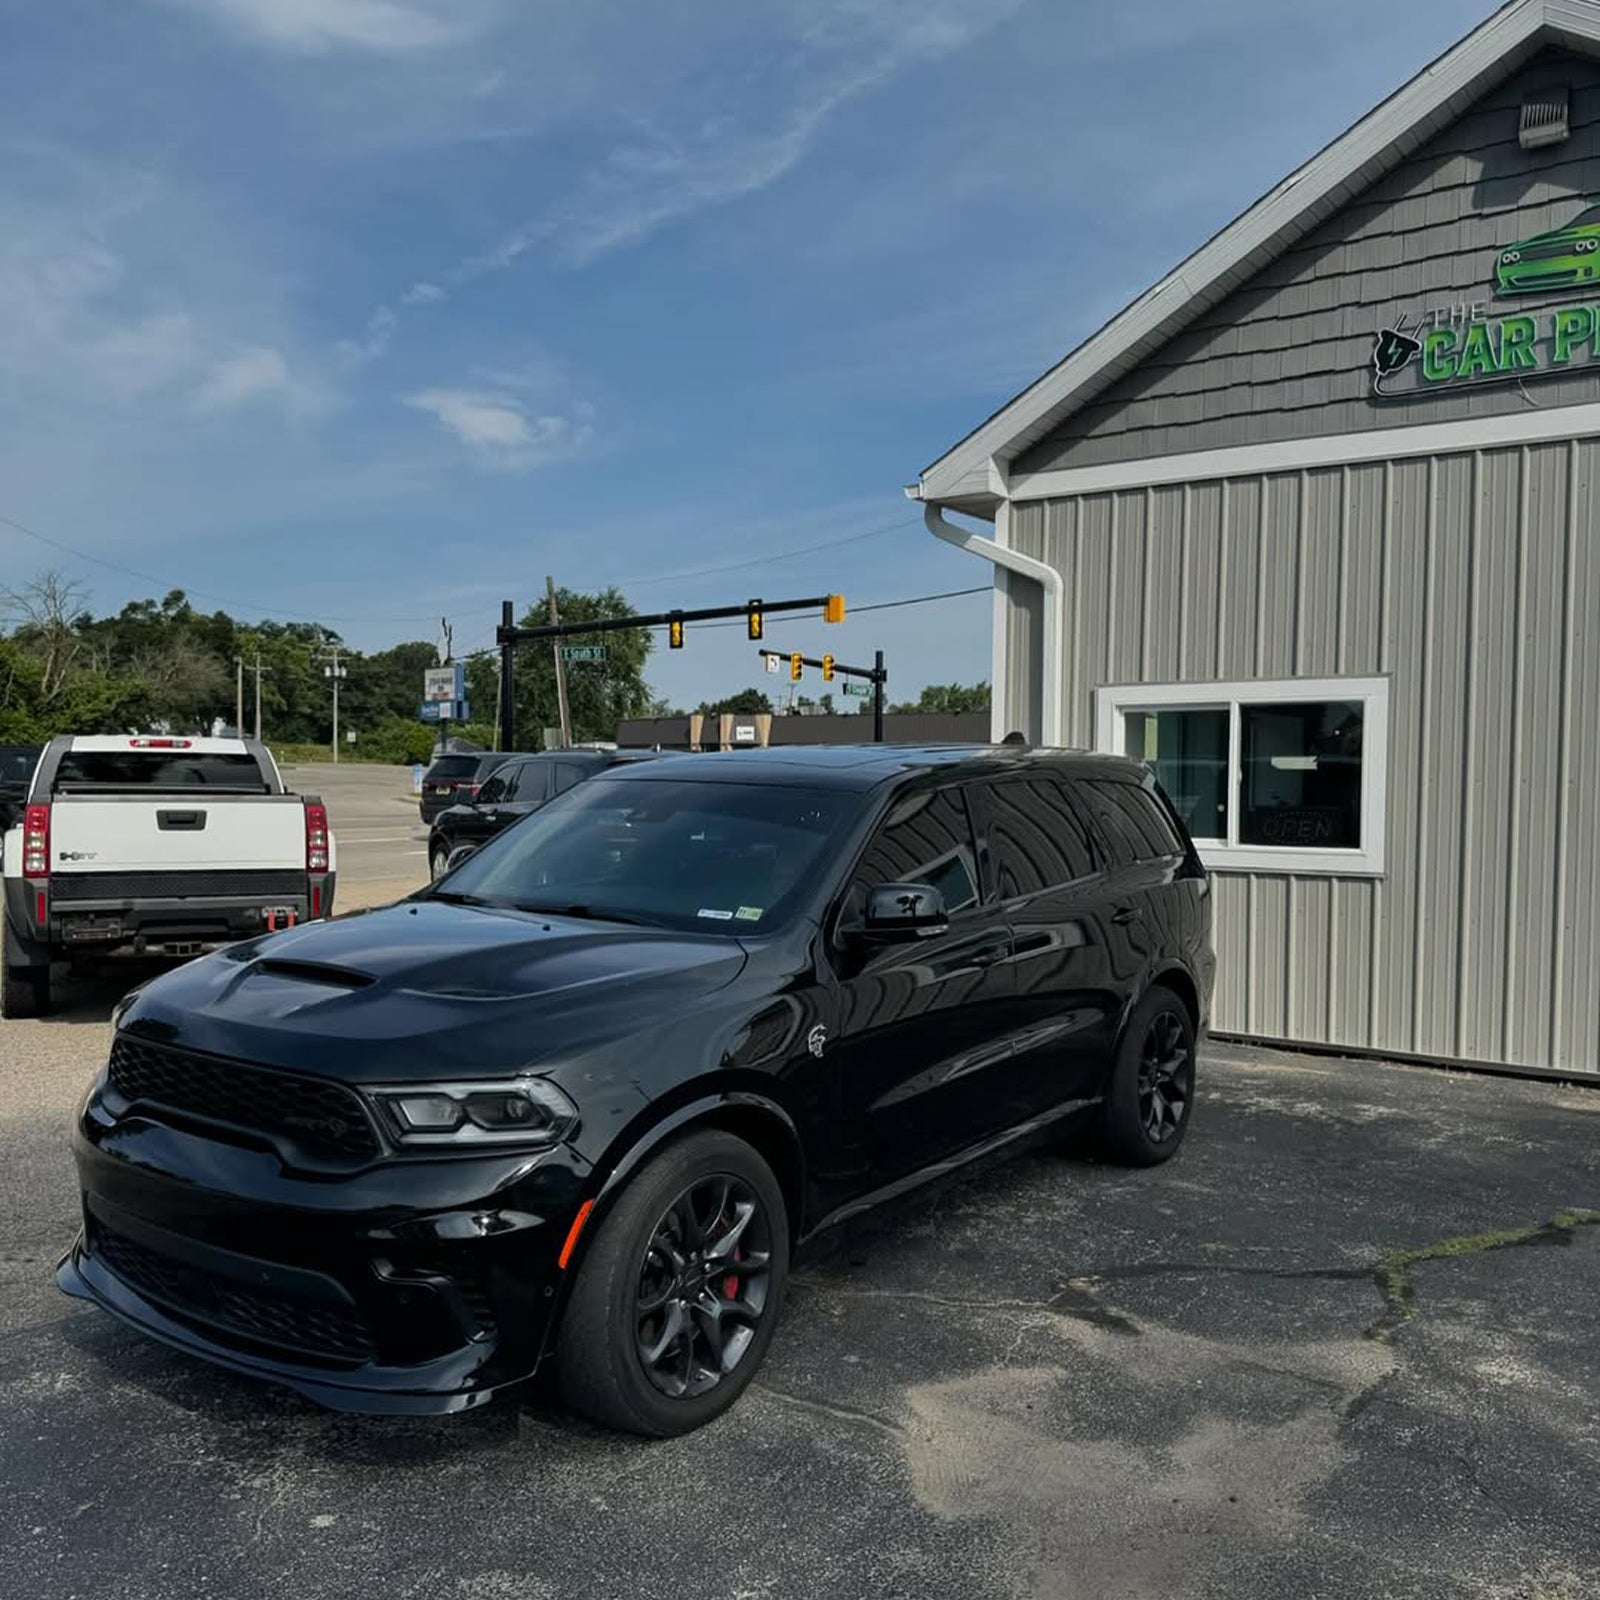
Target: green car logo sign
column 1463, row 346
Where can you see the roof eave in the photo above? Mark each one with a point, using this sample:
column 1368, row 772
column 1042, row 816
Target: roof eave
column 1306, row 198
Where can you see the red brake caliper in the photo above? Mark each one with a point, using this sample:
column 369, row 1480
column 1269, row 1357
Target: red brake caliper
column 730, row 1284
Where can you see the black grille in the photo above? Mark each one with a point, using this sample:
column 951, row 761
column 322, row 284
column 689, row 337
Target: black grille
column 271, row 1319
column 325, row 1121
column 66, row 887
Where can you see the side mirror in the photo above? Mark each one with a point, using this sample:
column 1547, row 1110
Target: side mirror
column 897, row 911
column 458, row 855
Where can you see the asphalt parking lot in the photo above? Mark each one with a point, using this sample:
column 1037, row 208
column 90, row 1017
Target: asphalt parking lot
column 1345, row 1345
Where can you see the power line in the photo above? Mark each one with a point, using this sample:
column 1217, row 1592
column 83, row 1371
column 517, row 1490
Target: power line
column 880, row 605
column 199, row 594
column 772, row 558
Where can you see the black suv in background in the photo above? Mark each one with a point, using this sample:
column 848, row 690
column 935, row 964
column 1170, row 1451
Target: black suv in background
column 17, row 762
column 519, row 785
column 582, row 1098
column 454, row 778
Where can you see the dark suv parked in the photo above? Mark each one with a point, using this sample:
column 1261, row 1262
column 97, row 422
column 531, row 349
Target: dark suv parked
column 519, row 785
column 583, row 1097
column 17, row 762
column 454, row 778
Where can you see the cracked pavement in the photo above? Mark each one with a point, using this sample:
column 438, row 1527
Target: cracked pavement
column 1344, row 1346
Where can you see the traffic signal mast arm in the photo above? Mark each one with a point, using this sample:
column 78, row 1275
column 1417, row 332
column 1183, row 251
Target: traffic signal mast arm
column 871, row 674
column 831, row 606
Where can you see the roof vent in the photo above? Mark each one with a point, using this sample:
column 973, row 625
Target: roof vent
column 1544, row 122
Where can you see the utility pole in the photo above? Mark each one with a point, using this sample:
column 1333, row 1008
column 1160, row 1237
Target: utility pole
column 334, row 672
column 508, row 709
column 878, row 676
column 561, row 668
column 238, row 698
column 258, row 697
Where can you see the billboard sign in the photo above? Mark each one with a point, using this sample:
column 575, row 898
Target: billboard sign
column 441, row 684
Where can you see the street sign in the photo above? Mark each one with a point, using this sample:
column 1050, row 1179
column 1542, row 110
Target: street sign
column 444, row 711
column 771, row 663
column 445, row 683
column 583, row 652
column 861, row 690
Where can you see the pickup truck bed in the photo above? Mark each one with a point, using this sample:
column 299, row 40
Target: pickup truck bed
column 154, row 846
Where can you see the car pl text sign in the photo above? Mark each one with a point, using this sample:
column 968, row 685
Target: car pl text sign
column 1464, row 347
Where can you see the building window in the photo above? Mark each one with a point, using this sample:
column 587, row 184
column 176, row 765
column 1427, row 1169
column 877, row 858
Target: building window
column 1279, row 777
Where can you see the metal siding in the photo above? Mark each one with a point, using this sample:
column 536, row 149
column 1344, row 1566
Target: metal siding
column 1285, row 355
column 1473, row 582
column 1577, row 925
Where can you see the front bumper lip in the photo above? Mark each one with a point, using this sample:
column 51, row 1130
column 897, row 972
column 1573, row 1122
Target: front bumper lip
column 448, row 1265
column 409, row 1394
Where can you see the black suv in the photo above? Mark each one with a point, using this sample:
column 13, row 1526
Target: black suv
column 17, row 762
column 455, row 778
column 582, row 1098
column 520, row 784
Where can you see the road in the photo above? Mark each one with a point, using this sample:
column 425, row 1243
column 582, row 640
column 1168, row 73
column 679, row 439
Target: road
column 382, row 845
column 1343, row 1346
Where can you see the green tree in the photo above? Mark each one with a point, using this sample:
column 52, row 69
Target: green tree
column 746, row 703
column 600, row 693
column 947, row 698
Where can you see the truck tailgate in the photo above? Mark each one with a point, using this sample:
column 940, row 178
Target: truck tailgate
column 175, row 833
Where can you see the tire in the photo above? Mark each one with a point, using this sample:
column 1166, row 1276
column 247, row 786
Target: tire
column 640, row 1254
column 1149, row 1101
column 437, row 857
column 24, row 977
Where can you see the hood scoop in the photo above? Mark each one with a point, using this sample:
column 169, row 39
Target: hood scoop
column 316, row 972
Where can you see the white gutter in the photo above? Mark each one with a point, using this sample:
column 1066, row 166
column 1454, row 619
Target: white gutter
column 1048, row 579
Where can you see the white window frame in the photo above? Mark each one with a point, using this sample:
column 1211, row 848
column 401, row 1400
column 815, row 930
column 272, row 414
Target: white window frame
column 1112, row 701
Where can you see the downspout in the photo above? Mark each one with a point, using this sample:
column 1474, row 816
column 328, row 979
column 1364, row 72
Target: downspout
column 1048, row 579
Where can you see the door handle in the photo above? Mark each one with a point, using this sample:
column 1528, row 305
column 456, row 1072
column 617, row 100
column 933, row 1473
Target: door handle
column 988, row 958
column 1123, row 915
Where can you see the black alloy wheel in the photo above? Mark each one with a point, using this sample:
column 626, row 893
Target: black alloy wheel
column 703, row 1286
column 1149, row 1098
column 678, row 1290
column 1166, row 1077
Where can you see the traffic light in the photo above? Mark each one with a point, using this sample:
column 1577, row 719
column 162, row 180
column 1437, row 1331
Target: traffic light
column 833, row 608
column 752, row 620
column 827, row 669
column 675, row 633
column 796, row 666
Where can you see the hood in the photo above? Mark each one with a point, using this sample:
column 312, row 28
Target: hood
column 424, row 990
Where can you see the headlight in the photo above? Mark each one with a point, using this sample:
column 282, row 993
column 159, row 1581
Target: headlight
column 1510, row 258
column 527, row 1111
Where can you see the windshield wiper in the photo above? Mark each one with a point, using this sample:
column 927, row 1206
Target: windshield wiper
column 454, row 897
column 586, row 913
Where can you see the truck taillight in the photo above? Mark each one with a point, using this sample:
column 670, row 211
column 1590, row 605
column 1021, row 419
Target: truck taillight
column 316, row 838
column 160, row 744
column 36, row 842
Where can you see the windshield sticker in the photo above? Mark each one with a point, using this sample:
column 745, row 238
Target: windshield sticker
column 750, row 913
column 716, row 916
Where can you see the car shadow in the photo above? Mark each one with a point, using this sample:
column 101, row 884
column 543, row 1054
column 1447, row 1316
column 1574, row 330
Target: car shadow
column 89, row 997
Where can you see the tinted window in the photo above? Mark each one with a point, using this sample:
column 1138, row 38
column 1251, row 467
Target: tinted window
column 1132, row 822
column 926, row 838
column 1038, row 836
column 570, row 773
column 702, row 857
column 159, row 769
column 529, row 782
column 498, row 788
column 453, row 767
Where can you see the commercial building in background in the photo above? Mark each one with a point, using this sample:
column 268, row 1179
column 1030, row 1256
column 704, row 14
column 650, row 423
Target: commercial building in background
column 1314, row 527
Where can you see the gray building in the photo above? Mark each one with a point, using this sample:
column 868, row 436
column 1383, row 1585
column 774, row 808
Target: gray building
column 1313, row 526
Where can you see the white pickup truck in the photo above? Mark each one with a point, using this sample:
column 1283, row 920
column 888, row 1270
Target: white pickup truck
column 154, row 846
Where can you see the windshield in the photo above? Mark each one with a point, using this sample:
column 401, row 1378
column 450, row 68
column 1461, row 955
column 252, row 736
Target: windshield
column 701, row 857
column 453, row 767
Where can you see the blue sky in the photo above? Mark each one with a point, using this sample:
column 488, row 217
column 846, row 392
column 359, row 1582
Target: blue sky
column 379, row 310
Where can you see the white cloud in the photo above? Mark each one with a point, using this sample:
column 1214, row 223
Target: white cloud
column 253, row 374
column 422, row 294
column 314, row 27
column 499, row 430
